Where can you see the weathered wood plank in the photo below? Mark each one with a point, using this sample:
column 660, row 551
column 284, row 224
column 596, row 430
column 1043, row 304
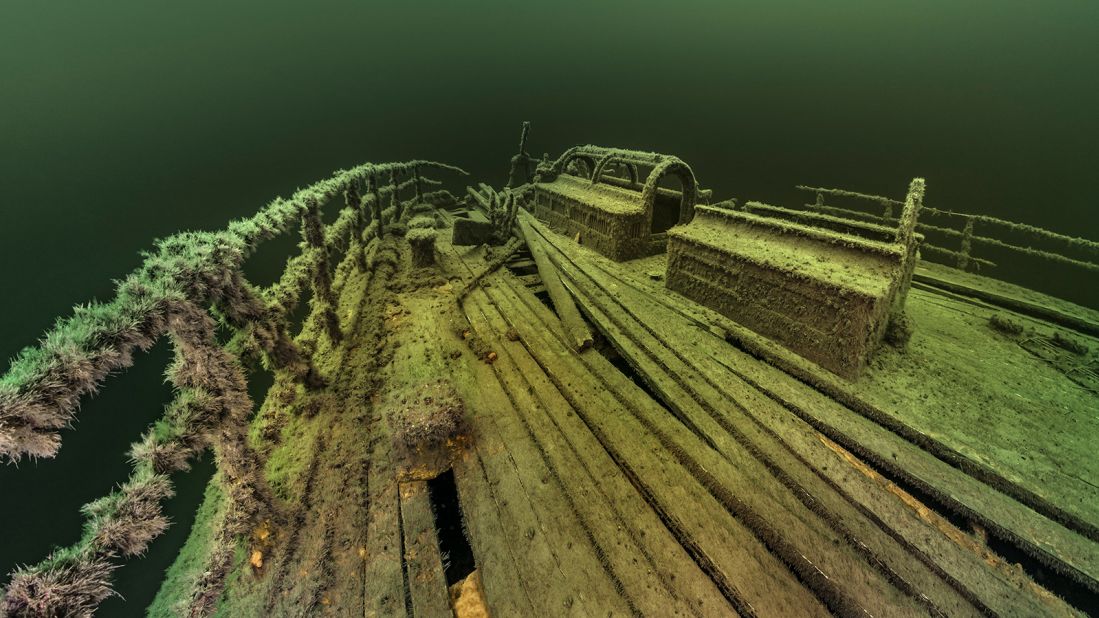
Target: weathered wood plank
column 520, row 263
column 655, row 571
column 1047, row 540
column 728, row 550
column 385, row 586
column 504, row 586
column 800, row 537
column 789, row 442
column 940, row 278
column 499, row 563
column 476, row 194
column 563, row 568
column 982, row 577
column 423, row 562
column 413, row 362
column 554, row 586
column 731, row 427
column 565, row 308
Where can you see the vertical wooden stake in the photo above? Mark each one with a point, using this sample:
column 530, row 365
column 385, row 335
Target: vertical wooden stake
column 967, row 244
column 313, row 231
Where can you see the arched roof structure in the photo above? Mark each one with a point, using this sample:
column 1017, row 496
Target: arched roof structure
column 599, row 158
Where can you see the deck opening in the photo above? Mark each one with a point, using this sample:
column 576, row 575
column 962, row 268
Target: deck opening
column 450, row 529
column 404, row 562
column 1071, row 592
column 522, row 262
column 524, row 269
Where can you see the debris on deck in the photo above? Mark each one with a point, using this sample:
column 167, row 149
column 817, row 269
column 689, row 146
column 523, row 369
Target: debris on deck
column 516, row 404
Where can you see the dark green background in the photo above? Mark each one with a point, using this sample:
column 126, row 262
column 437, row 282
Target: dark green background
column 122, row 121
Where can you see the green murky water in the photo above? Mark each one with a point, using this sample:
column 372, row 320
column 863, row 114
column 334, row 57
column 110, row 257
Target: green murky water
column 125, row 121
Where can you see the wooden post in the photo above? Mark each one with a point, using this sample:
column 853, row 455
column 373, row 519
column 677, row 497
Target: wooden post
column 967, row 244
column 417, row 184
column 913, row 202
column 394, row 198
column 377, row 202
column 354, row 199
column 520, row 158
column 351, row 199
column 313, row 231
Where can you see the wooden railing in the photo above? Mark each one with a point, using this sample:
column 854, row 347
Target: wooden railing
column 187, row 289
column 963, row 231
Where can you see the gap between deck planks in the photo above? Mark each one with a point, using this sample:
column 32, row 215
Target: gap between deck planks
column 1049, row 541
column 558, row 567
column 658, row 319
column 727, row 550
column 634, row 544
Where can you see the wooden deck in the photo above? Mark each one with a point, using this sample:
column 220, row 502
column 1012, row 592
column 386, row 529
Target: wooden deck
column 716, row 485
column 665, row 471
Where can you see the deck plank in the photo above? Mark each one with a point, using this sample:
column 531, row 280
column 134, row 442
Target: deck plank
column 505, row 588
column 729, row 550
column 748, row 445
column 712, row 353
column 804, row 541
column 554, row 588
column 385, row 586
column 424, row 564
column 766, row 429
column 1049, row 481
column 656, row 572
column 561, row 569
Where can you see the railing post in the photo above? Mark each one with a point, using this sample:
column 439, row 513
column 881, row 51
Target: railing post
column 323, row 296
column 967, row 244
column 203, row 366
column 353, row 199
column 819, row 204
column 394, row 198
column 913, row 202
column 377, row 214
column 887, row 209
column 417, row 184
column 263, row 329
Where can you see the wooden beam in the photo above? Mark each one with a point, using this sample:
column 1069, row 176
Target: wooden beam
column 476, row 195
column 426, row 580
column 579, row 334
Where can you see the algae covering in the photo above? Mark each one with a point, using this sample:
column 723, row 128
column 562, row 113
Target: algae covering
column 586, row 393
column 185, row 290
column 597, row 195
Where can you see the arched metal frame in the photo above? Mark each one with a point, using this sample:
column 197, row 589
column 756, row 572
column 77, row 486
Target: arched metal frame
column 574, row 154
column 686, row 178
column 631, row 169
column 610, row 158
column 599, row 158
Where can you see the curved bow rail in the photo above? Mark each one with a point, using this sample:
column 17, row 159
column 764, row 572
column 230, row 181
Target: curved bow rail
column 191, row 284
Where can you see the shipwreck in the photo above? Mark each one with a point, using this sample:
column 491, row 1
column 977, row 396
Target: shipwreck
column 593, row 391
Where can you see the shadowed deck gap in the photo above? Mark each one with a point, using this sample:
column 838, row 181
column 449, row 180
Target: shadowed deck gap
column 458, row 560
